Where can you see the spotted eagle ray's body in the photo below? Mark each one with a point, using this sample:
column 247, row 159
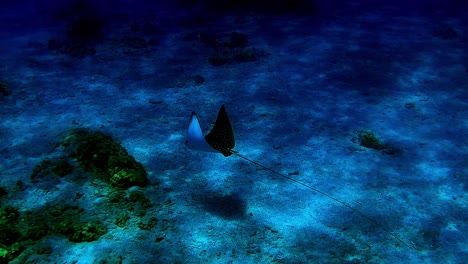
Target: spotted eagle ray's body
column 221, row 139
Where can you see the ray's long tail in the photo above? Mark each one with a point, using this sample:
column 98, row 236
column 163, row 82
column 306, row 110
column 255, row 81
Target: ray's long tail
column 329, row 196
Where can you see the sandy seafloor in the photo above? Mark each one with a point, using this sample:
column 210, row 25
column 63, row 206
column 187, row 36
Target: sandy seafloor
column 298, row 110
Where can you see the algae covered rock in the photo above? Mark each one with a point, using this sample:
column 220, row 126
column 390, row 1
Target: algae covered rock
column 4, row 255
column 47, row 168
column 62, row 167
column 368, row 139
column 70, row 222
column 10, row 234
column 3, row 192
column 9, row 217
column 86, row 232
column 21, row 230
column 125, row 178
column 138, row 203
column 4, row 89
column 104, row 157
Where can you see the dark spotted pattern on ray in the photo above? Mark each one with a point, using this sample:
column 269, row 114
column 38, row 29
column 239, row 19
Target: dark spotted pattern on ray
column 221, row 137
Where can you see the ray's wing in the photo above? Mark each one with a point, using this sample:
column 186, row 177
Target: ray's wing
column 195, row 139
column 221, row 137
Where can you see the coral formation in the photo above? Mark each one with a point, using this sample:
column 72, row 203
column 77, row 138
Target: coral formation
column 102, row 156
column 121, row 219
column 86, row 232
column 62, row 167
column 20, row 231
column 134, row 205
column 368, row 139
column 46, row 167
column 3, row 192
column 139, row 203
column 17, row 233
column 68, row 221
column 4, row 89
column 148, row 223
column 9, row 217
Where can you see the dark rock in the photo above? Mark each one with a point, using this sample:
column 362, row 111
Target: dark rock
column 246, row 55
column 238, row 40
column 86, row 28
column 153, row 42
column 3, row 192
column 368, row 139
column 217, row 60
column 54, row 44
column 445, row 32
column 135, row 27
column 5, row 89
column 198, row 79
column 133, row 42
column 149, row 29
column 62, row 168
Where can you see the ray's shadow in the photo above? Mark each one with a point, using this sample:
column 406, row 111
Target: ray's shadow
column 230, row 206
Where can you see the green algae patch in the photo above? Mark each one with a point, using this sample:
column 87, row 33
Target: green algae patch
column 104, row 157
column 86, row 232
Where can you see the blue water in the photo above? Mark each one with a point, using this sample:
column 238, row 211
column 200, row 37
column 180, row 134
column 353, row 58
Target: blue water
column 300, row 80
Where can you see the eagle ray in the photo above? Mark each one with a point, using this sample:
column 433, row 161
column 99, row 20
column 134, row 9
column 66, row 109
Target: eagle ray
column 221, row 139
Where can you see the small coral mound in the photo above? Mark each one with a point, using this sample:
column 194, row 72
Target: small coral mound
column 368, row 139
column 4, row 89
column 102, row 156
